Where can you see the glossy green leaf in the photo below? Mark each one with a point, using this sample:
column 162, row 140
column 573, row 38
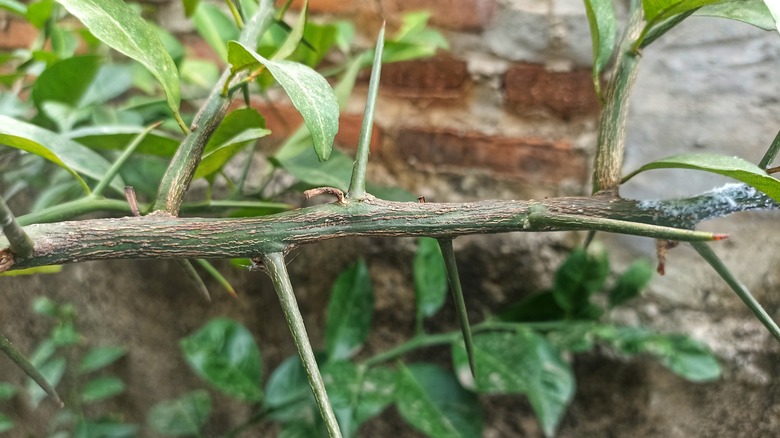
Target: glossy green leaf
column 631, row 283
column 350, row 310
column 185, row 415
column 6, row 423
column 287, row 391
column 235, row 132
column 430, row 277
column 215, row 27
column 310, row 93
column 7, row 391
column 14, row 6
column 52, row 372
column 431, row 400
column 116, row 24
column 100, row 357
column 581, row 275
column 68, row 154
column 603, row 30
column 225, row 354
column 102, row 388
column 753, row 12
column 732, row 167
column 520, row 362
column 65, row 81
column 657, row 10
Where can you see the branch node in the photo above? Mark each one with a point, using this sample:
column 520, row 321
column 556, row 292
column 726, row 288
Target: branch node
column 6, row 260
column 308, row 194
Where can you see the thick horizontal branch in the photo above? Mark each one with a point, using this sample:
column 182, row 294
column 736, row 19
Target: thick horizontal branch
column 161, row 235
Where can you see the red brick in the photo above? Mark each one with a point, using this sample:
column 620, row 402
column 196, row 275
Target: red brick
column 284, row 119
column 439, row 77
column 469, row 15
column 530, row 87
column 199, row 49
column 17, row 35
column 529, row 159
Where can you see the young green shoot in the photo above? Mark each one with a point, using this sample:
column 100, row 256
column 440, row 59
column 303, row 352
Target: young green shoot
column 771, row 153
column 19, row 241
column 205, row 264
column 192, row 274
column 357, row 185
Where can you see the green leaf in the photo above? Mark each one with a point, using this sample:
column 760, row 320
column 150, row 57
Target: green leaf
column 520, row 362
column 658, row 10
column 686, row 357
column 430, row 277
column 603, row 30
column 774, row 9
column 753, row 12
column 309, row 92
column 350, row 309
column 101, row 389
column 358, row 394
column 732, row 167
column 288, row 392
column 14, row 7
column 225, row 354
column 38, row 12
column 235, row 131
column 52, row 372
column 577, row 279
column 537, row 307
column 100, row 357
column 307, row 168
column 7, row 391
column 182, row 416
column 631, row 283
column 68, row 154
column 48, row 269
column 190, row 6
column 65, row 81
column 215, row 27
column 295, row 36
column 6, row 423
column 104, row 428
column 121, row 28
column 430, row 399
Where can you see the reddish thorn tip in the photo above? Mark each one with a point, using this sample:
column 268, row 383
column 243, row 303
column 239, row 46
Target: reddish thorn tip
column 720, row 236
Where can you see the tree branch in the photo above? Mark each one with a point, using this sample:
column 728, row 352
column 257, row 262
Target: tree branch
column 160, row 235
column 183, row 164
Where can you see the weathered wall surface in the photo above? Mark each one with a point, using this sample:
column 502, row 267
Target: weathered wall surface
column 507, row 113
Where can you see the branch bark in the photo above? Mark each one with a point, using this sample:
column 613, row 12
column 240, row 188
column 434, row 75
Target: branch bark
column 160, row 235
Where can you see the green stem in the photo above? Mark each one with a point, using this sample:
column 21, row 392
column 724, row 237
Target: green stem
column 608, row 161
column 457, row 296
column 277, row 269
column 742, row 292
column 117, row 165
column 771, row 153
column 19, row 241
column 28, row 368
column 183, row 164
column 357, row 185
column 416, row 342
column 236, row 14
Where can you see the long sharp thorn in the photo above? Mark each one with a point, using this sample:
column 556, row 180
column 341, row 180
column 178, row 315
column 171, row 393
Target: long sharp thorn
column 29, row 369
column 445, row 244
